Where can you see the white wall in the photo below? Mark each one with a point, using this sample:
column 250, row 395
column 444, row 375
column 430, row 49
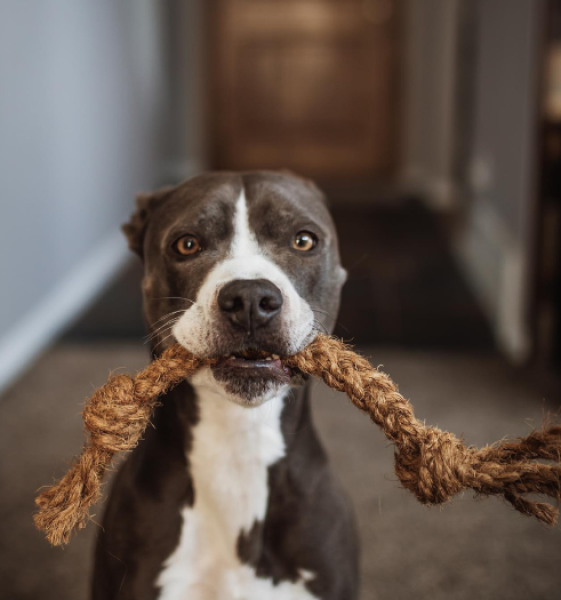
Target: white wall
column 80, row 105
column 185, row 147
column 429, row 96
column 495, row 243
column 494, row 238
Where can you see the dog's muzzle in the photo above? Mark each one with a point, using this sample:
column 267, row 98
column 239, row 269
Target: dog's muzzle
column 251, row 310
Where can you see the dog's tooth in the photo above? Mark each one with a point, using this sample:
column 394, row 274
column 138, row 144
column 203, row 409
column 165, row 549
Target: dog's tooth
column 268, row 358
column 275, row 356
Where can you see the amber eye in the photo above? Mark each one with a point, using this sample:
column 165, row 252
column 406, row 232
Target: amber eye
column 304, row 241
column 187, row 245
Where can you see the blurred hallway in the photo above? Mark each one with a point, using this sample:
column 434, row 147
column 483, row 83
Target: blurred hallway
column 435, row 128
column 404, row 286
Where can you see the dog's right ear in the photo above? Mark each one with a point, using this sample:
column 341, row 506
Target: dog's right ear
column 135, row 229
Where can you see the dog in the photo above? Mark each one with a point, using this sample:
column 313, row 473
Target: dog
column 230, row 494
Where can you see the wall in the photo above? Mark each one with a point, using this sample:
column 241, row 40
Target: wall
column 185, row 145
column 495, row 241
column 80, row 105
column 429, row 109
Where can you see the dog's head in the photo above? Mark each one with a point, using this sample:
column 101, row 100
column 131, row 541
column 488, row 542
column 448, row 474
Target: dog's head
column 244, row 267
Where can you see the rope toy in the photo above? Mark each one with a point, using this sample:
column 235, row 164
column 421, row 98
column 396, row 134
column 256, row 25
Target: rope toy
column 434, row 465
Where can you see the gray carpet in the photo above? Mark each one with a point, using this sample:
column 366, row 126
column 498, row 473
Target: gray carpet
column 469, row 549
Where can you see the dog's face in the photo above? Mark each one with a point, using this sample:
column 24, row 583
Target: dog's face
column 244, row 267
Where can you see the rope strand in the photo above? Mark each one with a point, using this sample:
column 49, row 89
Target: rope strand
column 115, row 417
column 434, row 465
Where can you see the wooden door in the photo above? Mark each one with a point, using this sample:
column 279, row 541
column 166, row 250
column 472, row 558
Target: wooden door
column 309, row 85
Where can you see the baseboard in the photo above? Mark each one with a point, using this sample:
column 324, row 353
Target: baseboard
column 495, row 264
column 53, row 313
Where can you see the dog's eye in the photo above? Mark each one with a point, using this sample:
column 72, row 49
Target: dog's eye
column 186, row 245
column 304, row 241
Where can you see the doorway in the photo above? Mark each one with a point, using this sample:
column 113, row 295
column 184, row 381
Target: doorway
column 308, row 85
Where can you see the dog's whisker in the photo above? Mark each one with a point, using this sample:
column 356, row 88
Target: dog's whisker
column 156, row 327
column 156, row 331
column 321, row 310
column 323, row 328
column 173, row 312
column 172, row 298
column 320, row 328
column 160, row 333
column 166, row 325
column 335, row 321
column 314, row 309
column 165, row 331
column 161, row 341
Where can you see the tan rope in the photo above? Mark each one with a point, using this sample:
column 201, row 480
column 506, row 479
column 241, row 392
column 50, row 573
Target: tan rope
column 433, row 464
column 115, row 418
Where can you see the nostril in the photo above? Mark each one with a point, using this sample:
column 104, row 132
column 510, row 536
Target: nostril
column 269, row 304
column 232, row 304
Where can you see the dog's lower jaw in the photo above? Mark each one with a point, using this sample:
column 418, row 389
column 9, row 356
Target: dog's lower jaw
column 249, row 396
column 252, row 384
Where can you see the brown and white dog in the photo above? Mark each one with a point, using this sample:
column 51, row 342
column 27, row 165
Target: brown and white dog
column 230, row 495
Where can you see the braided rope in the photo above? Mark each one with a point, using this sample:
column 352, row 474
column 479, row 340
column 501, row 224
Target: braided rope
column 434, row 465
column 115, row 417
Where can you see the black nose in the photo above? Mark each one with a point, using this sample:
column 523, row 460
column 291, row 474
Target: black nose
column 250, row 303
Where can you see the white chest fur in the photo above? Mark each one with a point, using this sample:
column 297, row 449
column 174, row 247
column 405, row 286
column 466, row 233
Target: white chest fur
column 232, row 450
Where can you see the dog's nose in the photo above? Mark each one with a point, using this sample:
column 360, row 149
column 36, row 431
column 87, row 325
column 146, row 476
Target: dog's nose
column 250, row 303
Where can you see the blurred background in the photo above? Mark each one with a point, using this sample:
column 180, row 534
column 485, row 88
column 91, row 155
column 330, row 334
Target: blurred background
column 434, row 127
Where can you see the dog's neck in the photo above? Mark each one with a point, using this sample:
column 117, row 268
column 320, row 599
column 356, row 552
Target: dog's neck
column 232, row 449
column 232, row 455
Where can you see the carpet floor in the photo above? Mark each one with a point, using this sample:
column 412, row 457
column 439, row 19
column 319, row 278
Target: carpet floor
column 466, row 550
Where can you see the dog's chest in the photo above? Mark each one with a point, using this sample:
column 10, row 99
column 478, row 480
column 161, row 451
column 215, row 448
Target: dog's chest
column 232, row 450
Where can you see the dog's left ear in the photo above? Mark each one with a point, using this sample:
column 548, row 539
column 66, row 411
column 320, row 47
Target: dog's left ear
column 135, row 229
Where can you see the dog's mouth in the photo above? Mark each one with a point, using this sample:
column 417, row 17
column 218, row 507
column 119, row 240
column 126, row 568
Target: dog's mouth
column 252, row 375
column 254, row 362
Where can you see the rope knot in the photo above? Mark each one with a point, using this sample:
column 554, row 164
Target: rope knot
column 114, row 417
column 434, row 466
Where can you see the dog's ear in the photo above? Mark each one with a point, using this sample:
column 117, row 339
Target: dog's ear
column 135, row 229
